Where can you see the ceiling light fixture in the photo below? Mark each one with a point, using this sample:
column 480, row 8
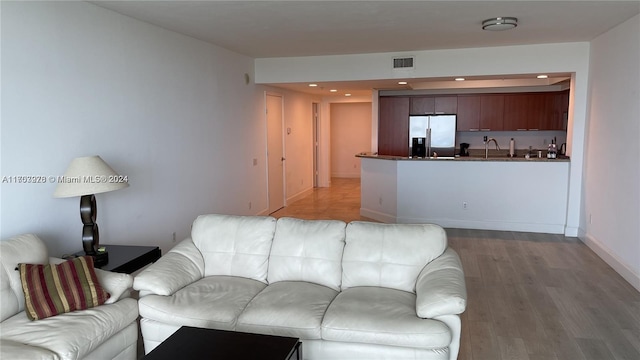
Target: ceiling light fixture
column 333, row 90
column 500, row 23
column 542, row 76
column 402, row 83
column 459, row 79
column 313, row 85
column 347, row 94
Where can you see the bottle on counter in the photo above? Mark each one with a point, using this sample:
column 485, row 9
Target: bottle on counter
column 552, row 151
column 512, row 148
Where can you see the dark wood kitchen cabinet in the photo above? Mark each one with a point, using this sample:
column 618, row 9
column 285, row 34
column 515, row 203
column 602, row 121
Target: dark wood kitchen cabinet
column 422, row 105
column 429, row 105
column 446, row 104
column 468, row 118
column 480, row 112
column 524, row 111
column 475, row 112
column 393, row 126
column 556, row 111
column 536, row 111
column 492, row 112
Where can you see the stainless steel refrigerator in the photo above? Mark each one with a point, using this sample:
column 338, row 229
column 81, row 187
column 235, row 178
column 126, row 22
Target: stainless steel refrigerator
column 438, row 131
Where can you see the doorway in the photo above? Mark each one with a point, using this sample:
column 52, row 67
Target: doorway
column 275, row 152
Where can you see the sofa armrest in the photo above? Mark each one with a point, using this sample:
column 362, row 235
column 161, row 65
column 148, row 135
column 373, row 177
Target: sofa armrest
column 181, row 266
column 440, row 288
column 116, row 284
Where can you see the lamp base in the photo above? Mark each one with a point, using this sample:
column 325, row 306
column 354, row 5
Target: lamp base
column 101, row 258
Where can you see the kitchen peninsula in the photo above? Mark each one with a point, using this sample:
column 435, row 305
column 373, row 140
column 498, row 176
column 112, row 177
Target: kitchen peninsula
column 497, row 193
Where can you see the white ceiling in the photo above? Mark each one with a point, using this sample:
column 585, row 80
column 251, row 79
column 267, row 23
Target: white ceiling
column 262, row 29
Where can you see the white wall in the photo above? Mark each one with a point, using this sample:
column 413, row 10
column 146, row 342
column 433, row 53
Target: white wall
column 524, row 59
column 350, row 135
column 172, row 113
column 611, row 223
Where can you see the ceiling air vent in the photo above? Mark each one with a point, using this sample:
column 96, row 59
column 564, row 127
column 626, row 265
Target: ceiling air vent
column 403, row 63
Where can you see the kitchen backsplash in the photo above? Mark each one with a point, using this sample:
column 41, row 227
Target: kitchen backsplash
column 538, row 140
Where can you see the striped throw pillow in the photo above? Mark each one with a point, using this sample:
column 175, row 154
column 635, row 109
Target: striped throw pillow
column 54, row 289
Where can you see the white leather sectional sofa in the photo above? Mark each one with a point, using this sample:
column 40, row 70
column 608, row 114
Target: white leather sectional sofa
column 108, row 331
column 348, row 291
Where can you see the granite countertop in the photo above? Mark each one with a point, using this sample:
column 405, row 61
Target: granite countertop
column 492, row 157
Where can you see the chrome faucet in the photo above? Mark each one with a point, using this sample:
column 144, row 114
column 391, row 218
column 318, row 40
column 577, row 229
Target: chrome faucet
column 486, row 146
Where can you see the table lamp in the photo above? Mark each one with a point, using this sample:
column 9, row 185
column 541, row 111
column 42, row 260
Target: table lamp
column 85, row 177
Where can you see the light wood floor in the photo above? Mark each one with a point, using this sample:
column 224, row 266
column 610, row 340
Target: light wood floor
column 530, row 296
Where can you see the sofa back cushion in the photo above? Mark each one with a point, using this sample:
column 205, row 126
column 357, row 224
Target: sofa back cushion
column 308, row 250
column 234, row 245
column 26, row 248
column 389, row 255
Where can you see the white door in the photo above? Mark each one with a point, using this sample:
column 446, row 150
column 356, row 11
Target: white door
column 275, row 152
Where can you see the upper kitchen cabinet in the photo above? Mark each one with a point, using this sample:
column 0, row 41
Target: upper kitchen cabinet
column 556, row 111
column 446, row 104
column 536, row 111
column 422, row 105
column 468, row 113
column 524, row 111
column 492, row 112
column 429, row 105
column 480, row 112
column 393, row 126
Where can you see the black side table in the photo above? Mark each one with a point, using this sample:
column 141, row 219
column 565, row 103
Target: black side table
column 128, row 258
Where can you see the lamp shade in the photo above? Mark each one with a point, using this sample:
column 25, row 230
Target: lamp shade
column 88, row 175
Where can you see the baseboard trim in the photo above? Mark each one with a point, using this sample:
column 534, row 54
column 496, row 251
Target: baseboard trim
column 355, row 175
column 378, row 216
column 572, row 231
column 264, row 212
column 467, row 224
column 300, row 195
column 615, row 262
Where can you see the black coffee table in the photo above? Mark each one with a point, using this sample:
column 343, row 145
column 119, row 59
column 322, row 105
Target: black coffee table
column 196, row 343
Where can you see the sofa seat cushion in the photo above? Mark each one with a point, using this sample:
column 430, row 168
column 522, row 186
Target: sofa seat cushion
column 288, row 308
column 212, row 302
column 15, row 350
column 71, row 335
column 383, row 316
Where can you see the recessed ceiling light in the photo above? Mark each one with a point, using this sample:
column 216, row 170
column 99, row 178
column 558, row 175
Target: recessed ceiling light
column 347, row 94
column 402, row 83
column 313, row 85
column 500, row 23
column 542, row 76
column 459, row 79
column 333, row 90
